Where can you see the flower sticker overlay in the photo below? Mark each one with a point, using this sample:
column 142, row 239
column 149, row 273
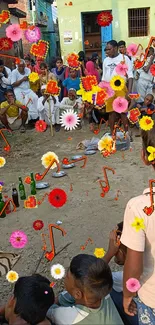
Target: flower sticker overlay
column 12, row 276
column 99, row 252
column 38, row 225
column 117, row 83
column 57, row 271
column 106, row 143
column 18, row 239
column 14, row 32
column 133, row 285
column 33, row 34
column 2, row 162
column 120, row 105
column 138, row 224
column 40, row 126
column 146, row 123
column 47, row 159
column 33, row 77
column 69, row 120
column 121, row 69
column 57, row 197
column 151, row 150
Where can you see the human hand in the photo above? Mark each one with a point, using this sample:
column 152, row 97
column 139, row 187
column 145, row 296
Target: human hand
column 25, row 78
column 129, row 305
column 138, row 106
column 2, row 311
column 113, row 246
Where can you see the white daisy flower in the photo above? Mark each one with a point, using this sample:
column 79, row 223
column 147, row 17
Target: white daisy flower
column 57, row 271
column 69, row 119
column 145, row 319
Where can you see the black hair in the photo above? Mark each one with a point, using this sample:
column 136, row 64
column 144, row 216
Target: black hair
column 59, row 59
column 150, row 95
column 33, row 296
column 113, row 43
column 9, row 91
column 120, row 226
column 121, row 43
column 81, row 55
column 93, row 273
column 1, row 62
column 43, row 65
column 27, row 58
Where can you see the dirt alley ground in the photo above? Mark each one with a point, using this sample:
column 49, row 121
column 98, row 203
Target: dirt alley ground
column 85, row 214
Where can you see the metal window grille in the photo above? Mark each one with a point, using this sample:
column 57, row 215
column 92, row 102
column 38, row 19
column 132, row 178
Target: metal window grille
column 138, row 22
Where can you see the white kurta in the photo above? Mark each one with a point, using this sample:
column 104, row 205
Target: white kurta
column 5, row 82
column 49, row 108
column 24, row 94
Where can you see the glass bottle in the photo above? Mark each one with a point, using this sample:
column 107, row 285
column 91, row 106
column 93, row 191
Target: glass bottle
column 15, row 196
column 33, row 185
column 22, row 190
column 2, row 204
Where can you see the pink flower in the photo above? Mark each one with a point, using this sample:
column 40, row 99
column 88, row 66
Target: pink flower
column 69, row 120
column 14, row 32
column 132, row 49
column 133, row 285
column 121, row 69
column 120, row 105
column 32, row 35
column 18, row 239
column 106, row 86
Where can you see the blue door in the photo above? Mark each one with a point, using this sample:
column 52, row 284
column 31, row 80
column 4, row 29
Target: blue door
column 106, row 35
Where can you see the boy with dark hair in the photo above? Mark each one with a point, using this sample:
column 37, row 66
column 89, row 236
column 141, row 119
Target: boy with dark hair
column 31, row 299
column 88, row 282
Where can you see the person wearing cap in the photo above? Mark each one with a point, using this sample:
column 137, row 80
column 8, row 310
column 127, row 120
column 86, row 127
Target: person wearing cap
column 71, row 102
column 23, row 93
column 49, row 106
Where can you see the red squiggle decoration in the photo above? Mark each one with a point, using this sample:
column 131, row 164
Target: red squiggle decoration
column 106, row 188
column 149, row 210
column 89, row 240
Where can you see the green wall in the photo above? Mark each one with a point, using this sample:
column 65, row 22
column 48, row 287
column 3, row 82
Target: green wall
column 69, row 18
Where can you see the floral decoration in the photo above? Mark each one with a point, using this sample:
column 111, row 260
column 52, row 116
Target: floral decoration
column 2, row 162
column 12, row 276
column 4, row 16
column 38, row 225
column 132, row 49
column 57, row 197
column 146, row 123
column 120, row 105
column 5, row 44
column 134, row 95
column 106, row 86
column 117, row 83
column 47, row 159
column 52, row 88
column 138, row 64
column 121, row 69
column 151, row 150
column 69, row 119
column 88, row 82
column 57, row 271
column 33, row 77
column 101, row 97
column 27, row 180
column 99, row 252
column 18, row 239
column 104, row 18
column 33, row 34
column 152, row 70
column 40, row 49
column 73, row 60
column 40, row 126
column 105, row 144
column 138, row 224
column 133, row 115
column 133, row 285
column 24, row 25
column 14, row 32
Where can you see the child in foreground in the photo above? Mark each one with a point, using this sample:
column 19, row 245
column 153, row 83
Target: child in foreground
column 29, row 303
column 88, row 283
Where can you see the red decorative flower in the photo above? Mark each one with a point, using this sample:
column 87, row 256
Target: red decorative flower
column 27, row 180
column 138, row 64
column 38, row 225
column 100, row 98
column 5, row 44
column 73, row 60
column 104, row 19
column 88, row 82
column 152, row 69
column 57, row 197
column 40, row 126
column 52, row 88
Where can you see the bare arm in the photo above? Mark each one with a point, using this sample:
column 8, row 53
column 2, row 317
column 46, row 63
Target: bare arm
column 147, row 67
column 130, row 84
column 4, row 110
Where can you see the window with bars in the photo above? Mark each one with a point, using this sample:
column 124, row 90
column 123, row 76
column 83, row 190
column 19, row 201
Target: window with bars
column 138, row 22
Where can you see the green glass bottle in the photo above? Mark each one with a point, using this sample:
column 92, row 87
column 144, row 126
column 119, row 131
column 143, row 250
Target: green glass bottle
column 2, row 203
column 22, row 190
column 33, row 185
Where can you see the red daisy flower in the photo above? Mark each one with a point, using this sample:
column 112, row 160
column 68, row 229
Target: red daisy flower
column 5, row 44
column 40, row 126
column 38, row 225
column 152, row 69
column 57, row 197
column 104, row 19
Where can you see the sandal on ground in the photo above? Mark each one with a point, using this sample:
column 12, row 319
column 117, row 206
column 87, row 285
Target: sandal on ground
column 22, row 129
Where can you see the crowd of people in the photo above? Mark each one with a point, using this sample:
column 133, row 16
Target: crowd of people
column 94, row 294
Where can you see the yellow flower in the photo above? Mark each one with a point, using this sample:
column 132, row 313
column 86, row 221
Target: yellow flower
column 47, row 159
column 12, row 276
column 151, row 150
column 117, row 83
column 99, row 252
column 2, row 161
column 33, row 77
column 105, row 143
column 146, row 123
column 138, row 224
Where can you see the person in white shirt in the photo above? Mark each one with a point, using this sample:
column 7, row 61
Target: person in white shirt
column 49, row 106
column 5, row 80
column 113, row 58
column 71, row 102
column 23, row 93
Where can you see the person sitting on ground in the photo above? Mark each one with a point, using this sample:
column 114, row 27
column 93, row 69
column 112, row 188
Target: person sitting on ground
column 13, row 114
column 88, row 283
column 23, row 93
column 146, row 107
column 5, row 80
column 71, row 102
column 72, row 81
column 28, row 64
column 49, row 106
column 29, row 303
column 45, row 75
